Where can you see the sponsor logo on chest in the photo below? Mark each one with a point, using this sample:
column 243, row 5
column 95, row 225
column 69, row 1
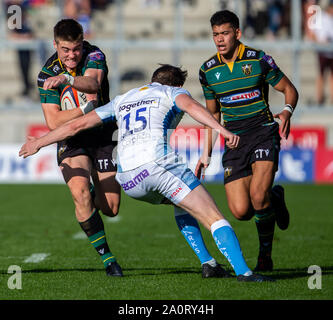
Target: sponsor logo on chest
column 239, row 97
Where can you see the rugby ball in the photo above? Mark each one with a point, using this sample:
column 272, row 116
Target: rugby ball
column 71, row 98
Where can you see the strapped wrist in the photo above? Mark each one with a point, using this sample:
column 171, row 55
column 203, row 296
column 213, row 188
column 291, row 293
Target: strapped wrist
column 89, row 106
column 69, row 78
column 289, row 108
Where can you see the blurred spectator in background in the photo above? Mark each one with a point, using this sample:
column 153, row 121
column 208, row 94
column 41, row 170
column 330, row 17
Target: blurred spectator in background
column 151, row 3
column 307, row 13
column 323, row 34
column 256, row 20
column 275, row 14
column 24, row 55
column 100, row 4
column 79, row 10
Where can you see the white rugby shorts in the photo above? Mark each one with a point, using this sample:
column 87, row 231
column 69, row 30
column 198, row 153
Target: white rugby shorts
column 168, row 177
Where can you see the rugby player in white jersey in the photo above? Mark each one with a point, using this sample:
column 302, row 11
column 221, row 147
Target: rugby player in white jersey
column 148, row 169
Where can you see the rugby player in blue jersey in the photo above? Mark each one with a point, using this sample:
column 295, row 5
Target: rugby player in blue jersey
column 147, row 167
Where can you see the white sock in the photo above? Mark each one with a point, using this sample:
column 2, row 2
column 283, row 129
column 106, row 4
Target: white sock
column 212, row 263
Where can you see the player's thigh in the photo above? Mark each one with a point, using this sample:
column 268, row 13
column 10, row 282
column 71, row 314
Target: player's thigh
column 76, row 169
column 261, row 183
column 76, row 173
column 107, row 191
column 238, row 197
column 202, row 206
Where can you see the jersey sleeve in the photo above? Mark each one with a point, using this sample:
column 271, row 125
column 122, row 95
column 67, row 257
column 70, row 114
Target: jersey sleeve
column 208, row 93
column 107, row 112
column 175, row 91
column 270, row 70
column 96, row 60
column 50, row 95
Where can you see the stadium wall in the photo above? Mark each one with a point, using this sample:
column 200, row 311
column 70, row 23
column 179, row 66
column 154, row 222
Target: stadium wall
column 305, row 157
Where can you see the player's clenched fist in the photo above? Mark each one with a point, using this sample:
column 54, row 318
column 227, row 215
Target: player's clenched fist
column 232, row 141
column 54, row 82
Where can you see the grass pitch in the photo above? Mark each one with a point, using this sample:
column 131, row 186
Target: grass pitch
column 40, row 235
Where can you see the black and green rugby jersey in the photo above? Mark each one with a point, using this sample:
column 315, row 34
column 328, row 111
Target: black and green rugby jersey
column 93, row 58
column 241, row 87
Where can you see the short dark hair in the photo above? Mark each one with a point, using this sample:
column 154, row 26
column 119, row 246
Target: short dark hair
column 224, row 16
column 68, row 30
column 169, row 75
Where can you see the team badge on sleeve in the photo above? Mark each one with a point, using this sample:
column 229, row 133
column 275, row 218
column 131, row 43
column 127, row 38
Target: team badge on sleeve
column 96, row 56
column 270, row 61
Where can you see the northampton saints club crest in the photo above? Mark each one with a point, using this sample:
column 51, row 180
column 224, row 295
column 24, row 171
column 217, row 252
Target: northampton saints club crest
column 247, row 69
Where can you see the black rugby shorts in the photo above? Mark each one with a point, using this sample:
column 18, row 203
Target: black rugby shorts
column 261, row 144
column 101, row 156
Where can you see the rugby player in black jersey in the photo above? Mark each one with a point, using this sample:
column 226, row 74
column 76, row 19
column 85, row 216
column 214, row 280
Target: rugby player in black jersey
column 90, row 155
column 235, row 83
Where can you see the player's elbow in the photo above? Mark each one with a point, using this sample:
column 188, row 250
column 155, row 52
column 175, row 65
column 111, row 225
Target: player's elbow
column 51, row 125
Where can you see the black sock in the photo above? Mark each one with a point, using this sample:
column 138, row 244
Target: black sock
column 265, row 223
column 94, row 229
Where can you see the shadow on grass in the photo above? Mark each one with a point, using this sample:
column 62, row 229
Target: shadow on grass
column 131, row 272
column 277, row 274
column 293, row 273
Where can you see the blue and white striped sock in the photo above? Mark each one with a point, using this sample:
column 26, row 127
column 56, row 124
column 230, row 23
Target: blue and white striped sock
column 227, row 242
column 190, row 229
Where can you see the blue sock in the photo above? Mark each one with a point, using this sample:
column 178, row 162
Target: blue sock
column 227, row 242
column 190, row 229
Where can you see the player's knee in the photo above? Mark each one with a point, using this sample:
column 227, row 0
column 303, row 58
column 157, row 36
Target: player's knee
column 259, row 199
column 242, row 213
column 81, row 196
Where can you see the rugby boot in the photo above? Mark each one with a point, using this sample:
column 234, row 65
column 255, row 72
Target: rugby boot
column 281, row 211
column 113, row 269
column 214, row 272
column 265, row 263
column 254, row 277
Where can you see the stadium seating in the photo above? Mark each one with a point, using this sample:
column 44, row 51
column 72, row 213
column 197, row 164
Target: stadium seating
column 150, row 23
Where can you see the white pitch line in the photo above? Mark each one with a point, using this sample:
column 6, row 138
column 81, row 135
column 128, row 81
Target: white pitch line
column 79, row 235
column 36, row 257
column 113, row 219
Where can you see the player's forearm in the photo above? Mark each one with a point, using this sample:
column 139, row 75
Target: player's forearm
column 286, row 87
column 202, row 115
column 86, row 84
column 211, row 136
column 62, row 117
column 61, row 133
column 291, row 96
column 210, row 140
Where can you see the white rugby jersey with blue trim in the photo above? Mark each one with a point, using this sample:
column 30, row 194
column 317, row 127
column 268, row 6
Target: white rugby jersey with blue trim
column 145, row 118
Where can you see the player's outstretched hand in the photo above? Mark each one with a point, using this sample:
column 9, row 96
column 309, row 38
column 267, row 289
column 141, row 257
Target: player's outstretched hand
column 284, row 116
column 29, row 148
column 54, row 82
